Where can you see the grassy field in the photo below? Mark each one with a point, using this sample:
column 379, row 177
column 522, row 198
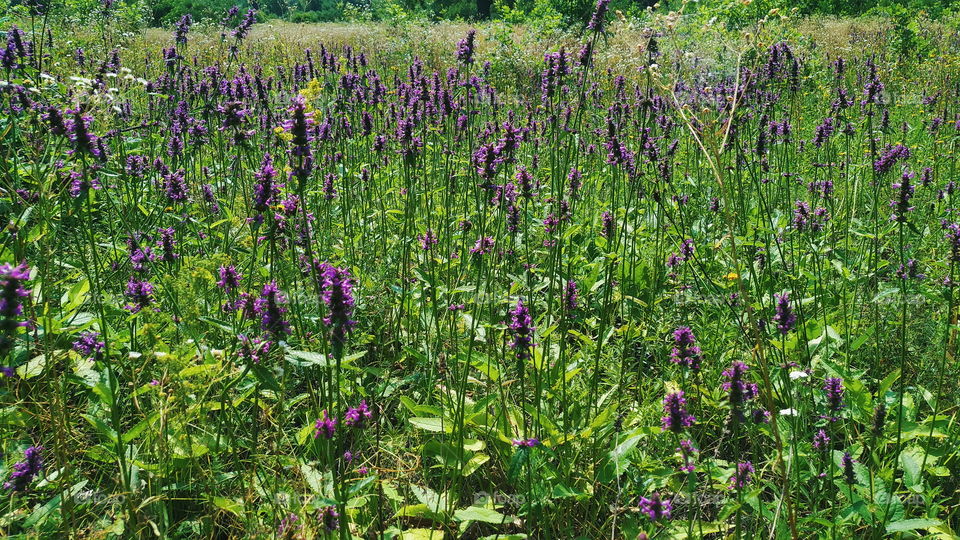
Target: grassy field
column 643, row 279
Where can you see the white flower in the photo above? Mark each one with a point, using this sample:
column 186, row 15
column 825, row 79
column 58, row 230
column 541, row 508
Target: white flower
column 794, row 375
column 788, row 412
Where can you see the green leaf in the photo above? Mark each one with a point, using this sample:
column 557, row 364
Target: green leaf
column 910, row 459
column 430, row 424
column 474, row 463
column 421, row 534
column 102, row 427
column 42, row 512
column 445, row 454
column 33, row 368
column 136, row 430
column 912, row 524
column 620, row 456
column 76, row 296
column 429, row 497
column 230, row 505
column 307, row 358
column 313, row 477
column 360, row 486
column 11, row 416
column 304, row 434
column 198, row 370
column 476, row 513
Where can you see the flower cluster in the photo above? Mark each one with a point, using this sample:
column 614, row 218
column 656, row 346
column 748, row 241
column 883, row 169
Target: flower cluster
column 656, row 508
column 521, row 327
column 12, row 293
column 784, row 316
column 89, row 344
column 357, row 416
column 326, row 426
column 742, row 476
column 337, row 294
column 677, row 418
column 685, row 351
column 25, row 471
column 833, row 387
column 271, row 307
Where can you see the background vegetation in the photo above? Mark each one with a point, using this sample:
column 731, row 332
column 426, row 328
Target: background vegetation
column 569, row 13
column 493, row 253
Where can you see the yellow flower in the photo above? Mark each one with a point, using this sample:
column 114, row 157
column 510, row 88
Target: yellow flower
column 732, row 276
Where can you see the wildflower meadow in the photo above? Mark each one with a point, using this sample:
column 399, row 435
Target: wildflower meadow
column 640, row 278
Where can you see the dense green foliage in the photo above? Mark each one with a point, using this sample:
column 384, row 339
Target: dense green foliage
column 569, row 12
column 420, row 281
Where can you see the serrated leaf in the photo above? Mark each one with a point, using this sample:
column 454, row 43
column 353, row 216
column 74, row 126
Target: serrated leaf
column 434, row 501
column 33, row 368
column 476, row 513
column 313, row 478
column 307, row 358
column 435, row 425
column 912, row 524
column 474, row 463
column 910, row 459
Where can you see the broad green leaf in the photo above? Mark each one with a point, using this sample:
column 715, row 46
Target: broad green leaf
column 912, row 524
column 431, row 424
column 476, row 513
column 235, row 507
column 307, row 358
column 474, row 463
column 33, row 368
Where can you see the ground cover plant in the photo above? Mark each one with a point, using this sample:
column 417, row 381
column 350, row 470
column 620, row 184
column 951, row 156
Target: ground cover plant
column 656, row 280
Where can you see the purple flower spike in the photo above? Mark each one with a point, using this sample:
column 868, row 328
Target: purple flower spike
column 904, row 192
column 743, row 475
column 525, row 443
column 833, row 386
column 656, row 508
column 739, row 390
column 599, row 14
column 357, row 416
column 140, row 294
column 685, row 351
column 330, row 518
column 25, row 471
column 229, row 278
column 338, row 296
column 521, row 327
column 677, row 418
column 325, row 426
column 89, row 344
column 784, row 316
column 847, row 463
column 254, row 349
column 12, row 292
column 821, row 441
column 570, row 296
column 465, row 47
column 483, row 246
column 271, row 307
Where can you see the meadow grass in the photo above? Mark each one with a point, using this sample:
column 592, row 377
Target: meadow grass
column 654, row 279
